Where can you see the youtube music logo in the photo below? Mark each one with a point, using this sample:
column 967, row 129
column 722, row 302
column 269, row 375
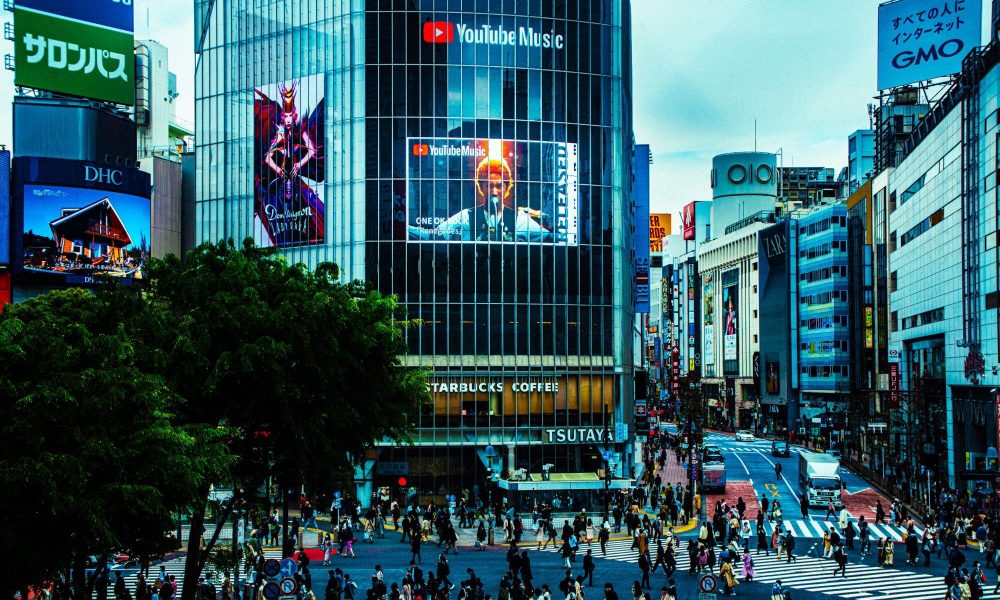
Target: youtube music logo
column 421, row 149
column 439, row 32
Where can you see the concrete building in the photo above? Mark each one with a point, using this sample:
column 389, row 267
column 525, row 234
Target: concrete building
column 162, row 138
column 940, row 217
column 805, row 187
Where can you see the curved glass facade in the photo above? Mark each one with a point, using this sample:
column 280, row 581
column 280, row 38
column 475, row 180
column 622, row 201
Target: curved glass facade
column 470, row 156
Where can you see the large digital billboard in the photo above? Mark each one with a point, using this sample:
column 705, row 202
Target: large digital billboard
column 74, row 221
column 730, row 306
column 289, row 163
column 708, row 317
column 923, row 39
column 84, row 232
column 492, row 190
column 76, row 48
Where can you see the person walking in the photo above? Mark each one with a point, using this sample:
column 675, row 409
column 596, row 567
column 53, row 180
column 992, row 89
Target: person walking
column 728, row 578
column 790, row 546
column 841, row 557
column 644, row 569
column 588, row 567
column 748, row 572
column 415, row 539
column 762, row 540
column 804, row 506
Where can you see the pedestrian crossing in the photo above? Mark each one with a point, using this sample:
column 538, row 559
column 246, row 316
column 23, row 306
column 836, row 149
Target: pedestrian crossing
column 815, row 528
column 175, row 567
column 815, row 575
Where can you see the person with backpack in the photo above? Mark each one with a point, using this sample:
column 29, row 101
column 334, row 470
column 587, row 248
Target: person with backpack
column 443, row 571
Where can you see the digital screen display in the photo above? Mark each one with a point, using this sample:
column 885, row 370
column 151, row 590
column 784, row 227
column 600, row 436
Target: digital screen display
column 492, row 191
column 75, row 232
column 289, row 161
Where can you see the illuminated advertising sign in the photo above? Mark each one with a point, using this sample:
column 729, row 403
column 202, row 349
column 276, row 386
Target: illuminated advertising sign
column 492, row 191
column 923, row 39
column 688, row 221
column 894, row 395
column 76, row 48
column 78, row 220
column 659, row 228
column 289, row 159
column 708, row 318
column 730, row 305
column 773, row 378
column 486, row 34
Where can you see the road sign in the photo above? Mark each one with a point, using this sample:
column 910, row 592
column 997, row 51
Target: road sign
column 607, row 454
column 288, row 586
column 271, row 568
column 289, row 567
column 336, row 503
column 271, row 590
column 707, row 584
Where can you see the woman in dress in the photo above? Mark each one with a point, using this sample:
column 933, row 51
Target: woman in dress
column 747, row 565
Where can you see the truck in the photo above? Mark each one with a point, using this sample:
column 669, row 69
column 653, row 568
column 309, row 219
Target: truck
column 713, row 476
column 819, row 479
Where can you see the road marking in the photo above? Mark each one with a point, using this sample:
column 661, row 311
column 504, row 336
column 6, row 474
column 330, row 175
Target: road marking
column 772, row 488
column 794, row 495
column 742, row 463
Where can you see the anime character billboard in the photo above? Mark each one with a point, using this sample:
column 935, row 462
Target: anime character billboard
column 491, row 190
column 289, row 163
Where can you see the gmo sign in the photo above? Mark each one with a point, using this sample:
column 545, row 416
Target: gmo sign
column 945, row 49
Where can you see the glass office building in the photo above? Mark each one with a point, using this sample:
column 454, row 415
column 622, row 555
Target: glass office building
column 472, row 157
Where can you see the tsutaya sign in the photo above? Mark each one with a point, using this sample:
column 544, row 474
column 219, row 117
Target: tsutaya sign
column 573, row 435
column 465, row 386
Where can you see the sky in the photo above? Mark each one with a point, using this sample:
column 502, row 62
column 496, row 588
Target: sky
column 704, row 71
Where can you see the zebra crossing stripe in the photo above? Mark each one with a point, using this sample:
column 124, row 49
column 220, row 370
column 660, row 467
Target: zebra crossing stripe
column 175, row 567
column 806, row 574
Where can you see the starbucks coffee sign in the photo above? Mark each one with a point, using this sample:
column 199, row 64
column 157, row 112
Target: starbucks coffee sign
column 574, row 435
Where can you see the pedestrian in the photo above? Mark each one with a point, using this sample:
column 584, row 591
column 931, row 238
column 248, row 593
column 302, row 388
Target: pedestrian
column 889, row 552
column 762, row 540
column 831, row 511
column 745, row 534
column 588, row 567
column 481, row 536
column 777, row 471
column 603, row 536
column 841, row 557
column 644, row 569
column 609, row 592
column 415, row 539
column 881, row 552
column 748, row 572
column 804, row 506
column 728, row 578
column 879, row 513
column 790, row 547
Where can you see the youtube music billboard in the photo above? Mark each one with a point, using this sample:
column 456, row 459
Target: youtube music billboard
column 492, row 191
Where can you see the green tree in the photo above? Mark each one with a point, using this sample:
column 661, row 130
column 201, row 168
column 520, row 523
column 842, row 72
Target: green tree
column 303, row 370
column 90, row 463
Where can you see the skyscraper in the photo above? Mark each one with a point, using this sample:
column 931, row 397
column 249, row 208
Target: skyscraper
column 475, row 162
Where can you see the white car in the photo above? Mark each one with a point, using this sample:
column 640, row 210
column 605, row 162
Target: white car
column 744, row 436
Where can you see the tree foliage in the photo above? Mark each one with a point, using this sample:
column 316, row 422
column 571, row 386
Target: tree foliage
column 227, row 366
column 90, row 461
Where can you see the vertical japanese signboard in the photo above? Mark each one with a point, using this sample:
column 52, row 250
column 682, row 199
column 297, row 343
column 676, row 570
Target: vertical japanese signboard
column 76, row 48
column 894, row 395
column 923, row 39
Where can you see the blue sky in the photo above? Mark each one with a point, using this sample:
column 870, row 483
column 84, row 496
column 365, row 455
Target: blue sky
column 703, row 71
